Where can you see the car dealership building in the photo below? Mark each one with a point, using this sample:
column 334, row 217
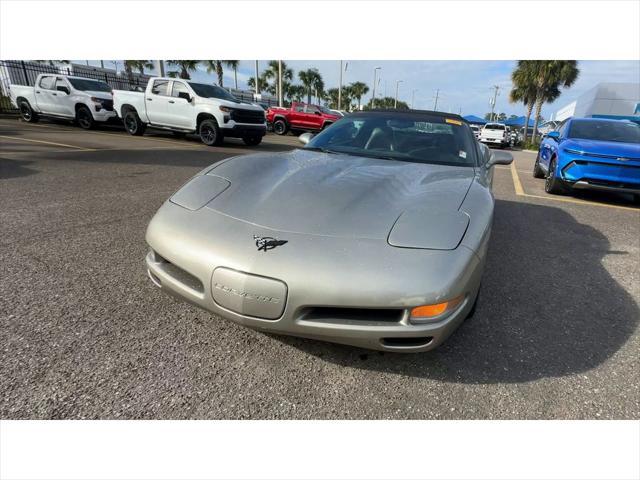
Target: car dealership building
column 605, row 100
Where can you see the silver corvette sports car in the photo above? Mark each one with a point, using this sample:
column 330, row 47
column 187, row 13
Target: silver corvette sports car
column 374, row 234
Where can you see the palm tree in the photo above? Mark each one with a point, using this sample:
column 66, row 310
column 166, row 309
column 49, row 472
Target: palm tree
column 262, row 84
column 140, row 65
column 233, row 64
column 524, row 89
column 550, row 76
column 217, row 67
column 271, row 73
column 295, row 93
column 185, row 66
column 311, row 80
column 359, row 89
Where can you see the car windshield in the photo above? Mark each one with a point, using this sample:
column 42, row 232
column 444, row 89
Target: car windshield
column 626, row 132
column 211, row 91
column 494, row 126
column 410, row 137
column 84, row 85
column 326, row 110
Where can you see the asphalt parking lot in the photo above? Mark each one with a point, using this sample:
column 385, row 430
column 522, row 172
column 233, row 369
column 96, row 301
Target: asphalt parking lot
column 85, row 334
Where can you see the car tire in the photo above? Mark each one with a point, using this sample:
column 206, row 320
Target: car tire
column 537, row 170
column 132, row 123
column 84, row 118
column 252, row 141
column 26, row 112
column 552, row 183
column 280, row 127
column 210, row 133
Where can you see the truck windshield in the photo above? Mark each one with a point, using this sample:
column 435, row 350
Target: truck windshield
column 86, row 85
column 211, row 91
column 408, row 137
column 494, row 126
column 605, row 131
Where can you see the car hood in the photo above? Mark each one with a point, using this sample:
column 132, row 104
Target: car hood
column 599, row 147
column 333, row 194
column 103, row 95
column 232, row 104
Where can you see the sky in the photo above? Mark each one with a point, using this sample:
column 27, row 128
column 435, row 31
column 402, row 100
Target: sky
column 463, row 86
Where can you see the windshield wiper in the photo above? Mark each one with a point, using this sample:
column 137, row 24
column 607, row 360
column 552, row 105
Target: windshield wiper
column 320, row 149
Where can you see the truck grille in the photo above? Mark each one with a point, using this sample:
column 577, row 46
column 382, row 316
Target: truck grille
column 107, row 105
column 247, row 116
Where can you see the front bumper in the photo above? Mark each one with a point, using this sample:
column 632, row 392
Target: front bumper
column 104, row 115
column 320, row 274
column 239, row 130
column 583, row 172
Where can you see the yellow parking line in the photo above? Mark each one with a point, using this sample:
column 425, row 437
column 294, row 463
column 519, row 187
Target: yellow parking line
column 520, row 191
column 48, row 143
column 148, row 138
column 516, row 180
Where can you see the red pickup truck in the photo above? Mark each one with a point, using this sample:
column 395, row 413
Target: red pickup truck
column 300, row 117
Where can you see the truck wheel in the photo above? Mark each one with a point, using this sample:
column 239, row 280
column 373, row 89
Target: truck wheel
column 84, row 118
column 280, row 127
column 252, row 141
column 210, row 133
column 27, row 113
column 133, row 124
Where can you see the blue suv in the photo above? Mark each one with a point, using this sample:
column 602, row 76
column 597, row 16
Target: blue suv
column 591, row 153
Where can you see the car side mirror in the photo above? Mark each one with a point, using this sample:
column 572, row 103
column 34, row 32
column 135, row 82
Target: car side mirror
column 305, row 137
column 499, row 158
column 64, row 89
column 185, row 95
column 555, row 135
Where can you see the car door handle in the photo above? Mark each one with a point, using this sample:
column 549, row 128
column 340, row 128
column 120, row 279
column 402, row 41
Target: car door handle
column 171, row 101
column 37, row 91
column 54, row 94
column 149, row 99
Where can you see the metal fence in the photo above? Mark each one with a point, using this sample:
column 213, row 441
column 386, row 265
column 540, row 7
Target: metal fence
column 21, row 72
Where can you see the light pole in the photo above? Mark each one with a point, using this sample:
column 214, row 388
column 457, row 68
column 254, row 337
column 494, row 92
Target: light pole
column 395, row 103
column 257, row 89
column 340, row 84
column 279, row 83
column 493, row 102
column 375, row 77
column 413, row 96
column 435, row 104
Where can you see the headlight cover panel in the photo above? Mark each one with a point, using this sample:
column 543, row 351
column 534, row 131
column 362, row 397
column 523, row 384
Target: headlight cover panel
column 199, row 191
column 429, row 229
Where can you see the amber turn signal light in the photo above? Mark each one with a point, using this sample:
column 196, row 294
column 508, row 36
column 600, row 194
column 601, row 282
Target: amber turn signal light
column 430, row 311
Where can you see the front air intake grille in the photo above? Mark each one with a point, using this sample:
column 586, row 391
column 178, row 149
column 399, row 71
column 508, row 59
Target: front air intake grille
column 178, row 274
column 107, row 105
column 351, row 315
column 247, row 116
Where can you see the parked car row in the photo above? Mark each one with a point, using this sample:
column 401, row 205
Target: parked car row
column 177, row 105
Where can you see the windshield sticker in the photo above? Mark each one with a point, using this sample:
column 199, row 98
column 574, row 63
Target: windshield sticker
column 455, row 122
column 462, row 154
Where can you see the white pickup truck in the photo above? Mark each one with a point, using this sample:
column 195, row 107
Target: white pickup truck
column 62, row 96
column 184, row 106
column 495, row 134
